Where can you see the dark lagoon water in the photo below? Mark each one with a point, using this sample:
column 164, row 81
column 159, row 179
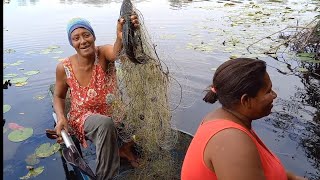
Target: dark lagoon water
column 193, row 38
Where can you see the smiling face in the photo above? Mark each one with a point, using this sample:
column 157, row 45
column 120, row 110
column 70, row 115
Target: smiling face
column 261, row 105
column 83, row 42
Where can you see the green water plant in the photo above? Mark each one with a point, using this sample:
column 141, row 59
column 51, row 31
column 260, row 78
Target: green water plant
column 20, row 134
column 46, row 150
column 33, row 172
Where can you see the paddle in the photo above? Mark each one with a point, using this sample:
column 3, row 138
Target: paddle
column 72, row 156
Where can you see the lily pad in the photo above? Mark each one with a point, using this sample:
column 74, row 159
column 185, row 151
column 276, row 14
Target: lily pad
column 5, row 65
column 4, row 130
column 33, row 172
column 21, row 84
column 55, row 147
column 306, row 59
column 32, row 160
column 17, row 63
column 9, row 51
column 29, row 73
column 10, row 75
column 20, row 135
column 39, row 97
column 57, row 52
column 45, row 150
column 45, row 51
column 19, row 80
column 229, row 4
column 6, row 108
column 53, row 47
column 306, row 55
column 303, row 70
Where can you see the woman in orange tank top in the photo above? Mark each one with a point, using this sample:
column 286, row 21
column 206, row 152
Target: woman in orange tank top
column 225, row 147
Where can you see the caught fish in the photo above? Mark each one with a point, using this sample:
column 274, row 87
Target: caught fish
column 131, row 36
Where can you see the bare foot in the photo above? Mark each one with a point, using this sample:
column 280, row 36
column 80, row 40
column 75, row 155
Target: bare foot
column 125, row 151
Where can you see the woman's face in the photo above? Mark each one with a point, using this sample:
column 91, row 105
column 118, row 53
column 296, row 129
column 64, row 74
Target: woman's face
column 262, row 103
column 83, row 41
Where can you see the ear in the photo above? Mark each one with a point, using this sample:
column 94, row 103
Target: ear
column 245, row 101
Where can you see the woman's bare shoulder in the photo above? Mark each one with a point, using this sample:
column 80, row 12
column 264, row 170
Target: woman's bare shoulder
column 234, row 151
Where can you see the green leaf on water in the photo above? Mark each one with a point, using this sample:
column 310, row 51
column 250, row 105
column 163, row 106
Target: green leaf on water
column 20, row 84
column 57, row 52
column 29, row 73
column 234, row 56
column 9, row 51
column 229, row 4
column 6, row 108
column 55, row 147
column 33, row 173
column 19, row 80
column 32, row 160
column 11, row 75
column 39, row 97
column 306, row 59
column 5, row 65
column 17, row 63
column 4, row 130
column 312, row 55
column 20, row 135
column 45, row 150
column 53, row 47
column 303, row 70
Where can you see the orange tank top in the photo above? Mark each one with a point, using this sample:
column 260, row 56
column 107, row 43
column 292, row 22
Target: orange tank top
column 194, row 167
column 90, row 99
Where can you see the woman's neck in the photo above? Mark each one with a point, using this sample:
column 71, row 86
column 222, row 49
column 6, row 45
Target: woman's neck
column 85, row 61
column 242, row 119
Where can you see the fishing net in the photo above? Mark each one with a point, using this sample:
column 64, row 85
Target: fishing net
column 143, row 105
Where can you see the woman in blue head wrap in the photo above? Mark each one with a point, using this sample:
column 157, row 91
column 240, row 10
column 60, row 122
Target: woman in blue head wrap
column 90, row 76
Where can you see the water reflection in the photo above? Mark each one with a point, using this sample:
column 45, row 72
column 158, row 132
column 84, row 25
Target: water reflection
column 178, row 4
column 299, row 117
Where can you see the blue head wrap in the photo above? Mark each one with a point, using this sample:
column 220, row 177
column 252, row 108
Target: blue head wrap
column 78, row 23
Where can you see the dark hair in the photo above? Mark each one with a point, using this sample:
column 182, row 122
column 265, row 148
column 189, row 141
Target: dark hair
column 234, row 78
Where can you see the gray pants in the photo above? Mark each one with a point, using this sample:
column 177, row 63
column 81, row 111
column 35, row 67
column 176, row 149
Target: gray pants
column 100, row 130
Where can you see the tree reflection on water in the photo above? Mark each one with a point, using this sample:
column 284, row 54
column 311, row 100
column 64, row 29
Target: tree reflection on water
column 299, row 116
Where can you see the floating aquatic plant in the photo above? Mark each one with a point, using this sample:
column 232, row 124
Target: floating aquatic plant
column 20, row 134
column 9, row 51
column 19, row 80
column 6, row 108
column 19, row 62
column 46, row 150
column 39, row 97
column 11, row 75
column 30, row 73
column 32, row 160
column 33, row 172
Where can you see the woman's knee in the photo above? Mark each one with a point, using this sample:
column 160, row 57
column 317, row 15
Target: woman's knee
column 106, row 123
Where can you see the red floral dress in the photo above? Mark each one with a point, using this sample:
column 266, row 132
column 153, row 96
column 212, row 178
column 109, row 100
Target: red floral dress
column 91, row 99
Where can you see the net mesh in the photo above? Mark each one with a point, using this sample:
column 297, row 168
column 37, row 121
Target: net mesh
column 142, row 104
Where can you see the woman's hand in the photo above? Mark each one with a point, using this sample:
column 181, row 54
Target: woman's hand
column 121, row 21
column 56, row 133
